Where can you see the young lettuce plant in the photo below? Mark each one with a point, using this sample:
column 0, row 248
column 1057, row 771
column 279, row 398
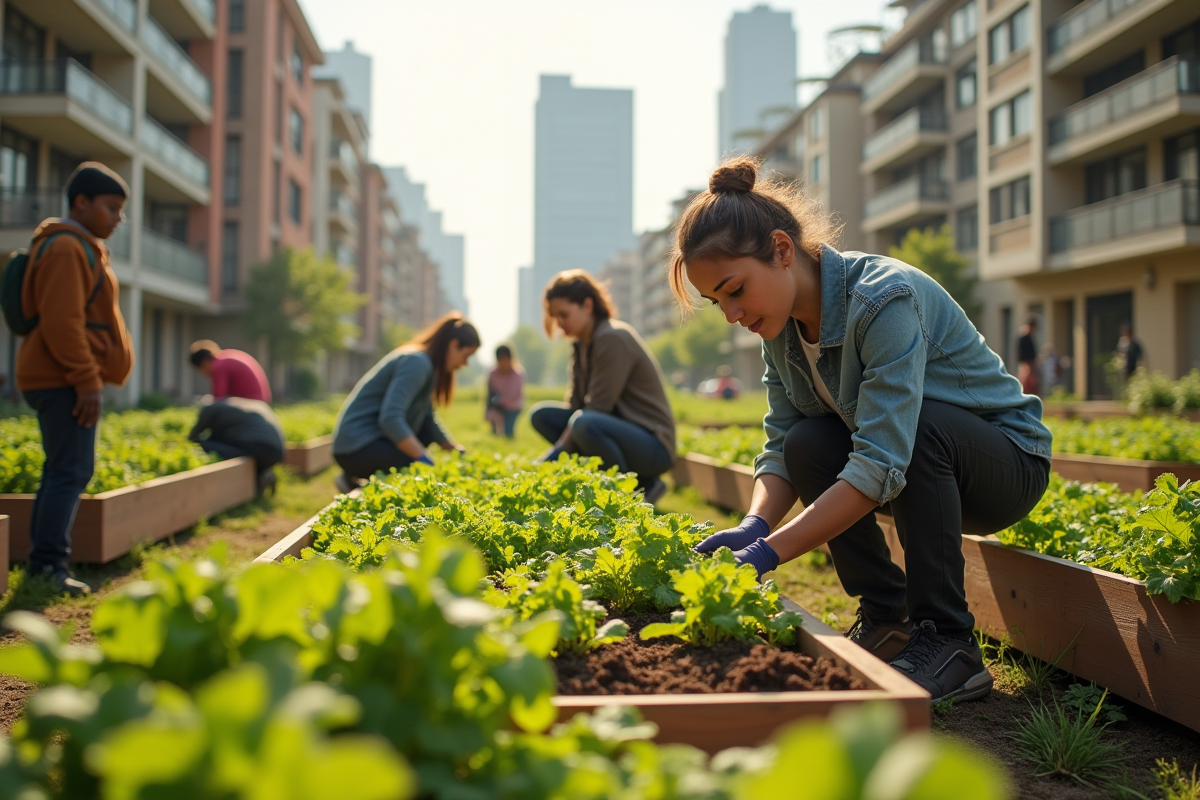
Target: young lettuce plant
column 558, row 593
column 722, row 601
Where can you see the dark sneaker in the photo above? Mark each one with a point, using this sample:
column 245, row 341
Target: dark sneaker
column 345, row 484
column 62, row 581
column 267, row 482
column 655, row 491
column 884, row 640
column 949, row 669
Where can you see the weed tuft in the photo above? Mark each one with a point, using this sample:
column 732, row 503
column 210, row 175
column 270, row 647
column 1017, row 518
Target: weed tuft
column 1175, row 784
column 1060, row 741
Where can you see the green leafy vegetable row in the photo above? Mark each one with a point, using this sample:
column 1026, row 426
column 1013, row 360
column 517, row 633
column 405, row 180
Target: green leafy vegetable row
column 1147, row 438
column 1153, row 391
column 1152, row 537
column 315, row 681
column 132, row 447
column 732, row 445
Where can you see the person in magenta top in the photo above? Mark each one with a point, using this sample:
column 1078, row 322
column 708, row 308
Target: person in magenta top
column 232, row 372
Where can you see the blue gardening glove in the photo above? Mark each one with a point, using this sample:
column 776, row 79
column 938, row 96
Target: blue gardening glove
column 760, row 554
column 753, row 527
column 425, row 459
column 551, row 455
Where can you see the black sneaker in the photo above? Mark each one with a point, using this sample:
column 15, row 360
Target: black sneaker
column 884, row 640
column 267, row 482
column 949, row 669
column 61, row 580
column 655, row 491
column 346, row 484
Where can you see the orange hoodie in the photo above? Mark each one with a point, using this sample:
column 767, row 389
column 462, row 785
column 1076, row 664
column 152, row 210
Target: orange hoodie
column 71, row 345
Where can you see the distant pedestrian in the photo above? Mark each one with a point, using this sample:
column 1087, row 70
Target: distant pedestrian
column 616, row 405
column 237, row 427
column 505, row 392
column 78, row 344
column 1130, row 350
column 1027, row 358
column 388, row 420
column 233, row 373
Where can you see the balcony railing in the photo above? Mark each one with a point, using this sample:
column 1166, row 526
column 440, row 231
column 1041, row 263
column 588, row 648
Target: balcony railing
column 67, row 77
column 171, row 151
column 168, row 255
column 906, row 126
column 123, row 11
column 26, row 208
column 1166, row 205
column 1082, row 20
column 1161, row 82
column 342, row 204
column 909, row 190
column 167, row 52
column 207, row 9
column 344, row 153
column 908, row 57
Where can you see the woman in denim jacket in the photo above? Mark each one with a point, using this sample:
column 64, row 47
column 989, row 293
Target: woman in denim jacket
column 880, row 392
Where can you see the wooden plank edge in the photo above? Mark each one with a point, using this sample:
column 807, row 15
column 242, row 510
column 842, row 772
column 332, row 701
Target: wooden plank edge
column 290, row 545
column 4, row 565
column 167, row 480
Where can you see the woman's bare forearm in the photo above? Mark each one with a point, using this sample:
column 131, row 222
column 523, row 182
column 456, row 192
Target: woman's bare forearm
column 839, row 507
column 773, row 498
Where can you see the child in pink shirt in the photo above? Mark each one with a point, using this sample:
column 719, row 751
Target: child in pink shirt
column 505, row 392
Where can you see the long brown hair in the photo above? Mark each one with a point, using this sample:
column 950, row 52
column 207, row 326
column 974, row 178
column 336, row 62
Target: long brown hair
column 576, row 286
column 435, row 341
column 736, row 217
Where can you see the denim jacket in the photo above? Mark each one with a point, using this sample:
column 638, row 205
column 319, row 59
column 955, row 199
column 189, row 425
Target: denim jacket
column 890, row 336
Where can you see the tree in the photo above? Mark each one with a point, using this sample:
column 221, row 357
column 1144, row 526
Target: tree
column 699, row 345
column 544, row 359
column 391, row 336
column 301, row 304
column 933, row 253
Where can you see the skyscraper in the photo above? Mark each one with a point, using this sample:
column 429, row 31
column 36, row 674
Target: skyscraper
column 760, row 74
column 446, row 250
column 583, row 177
column 353, row 69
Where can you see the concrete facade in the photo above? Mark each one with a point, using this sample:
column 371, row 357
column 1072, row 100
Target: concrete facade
column 760, row 77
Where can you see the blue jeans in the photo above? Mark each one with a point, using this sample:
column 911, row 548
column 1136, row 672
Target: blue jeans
column 619, row 443
column 510, row 421
column 70, row 461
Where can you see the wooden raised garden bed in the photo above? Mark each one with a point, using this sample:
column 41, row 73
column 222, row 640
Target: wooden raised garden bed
column 3, row 554
column 716, row 721
column 110, row 523
column 1128, row 473
column 1098, row 625
column 311, row 457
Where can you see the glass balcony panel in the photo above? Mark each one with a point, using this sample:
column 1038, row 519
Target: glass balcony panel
column 168, row 255
column 123, row 11
column 906, row 125
column 1083, row 19
column 167, row 52
column 67, row 77
column 26, row 208
column 1167, row 205
column 1155, row 85
column 172, row 152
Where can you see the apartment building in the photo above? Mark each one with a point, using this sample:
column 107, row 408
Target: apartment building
column 623, row 277
column 267, row 173
column 136, row 85
column 1058, row 142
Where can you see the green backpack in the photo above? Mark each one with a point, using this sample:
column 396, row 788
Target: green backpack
column 14, row 278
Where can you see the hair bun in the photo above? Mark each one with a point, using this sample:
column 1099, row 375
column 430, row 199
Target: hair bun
column 735, row 176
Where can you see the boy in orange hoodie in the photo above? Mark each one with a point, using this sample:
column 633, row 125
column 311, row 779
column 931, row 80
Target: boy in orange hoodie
column 79, row 344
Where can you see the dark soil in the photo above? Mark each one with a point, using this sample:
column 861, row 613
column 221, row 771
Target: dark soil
column 668, row 666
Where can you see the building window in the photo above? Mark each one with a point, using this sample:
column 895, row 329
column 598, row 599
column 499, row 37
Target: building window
column 1009, row 36
column 964, row 85
column 278, row 112
column 814, row 174
column 966, row 229
column 229, row 258
column 1010, row 201
column 296, row 130
column 816, row 125
column 233, row 85
column 297, row 65
column 237, row 16
column 1115, row 176
column 963, row 24
column 233, row 170
column 1182, row 156
column 60, row 168
column 18, row 162
column 295, row 201
column 966, row 151
column 23, row 40
column 1113, row 74
column 1011, row 118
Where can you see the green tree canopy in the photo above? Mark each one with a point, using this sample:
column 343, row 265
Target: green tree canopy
column 933, row 253
column 699, row 345
column 301, row 304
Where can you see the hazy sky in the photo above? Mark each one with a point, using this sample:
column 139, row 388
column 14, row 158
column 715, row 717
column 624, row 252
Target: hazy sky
column 455, row 82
